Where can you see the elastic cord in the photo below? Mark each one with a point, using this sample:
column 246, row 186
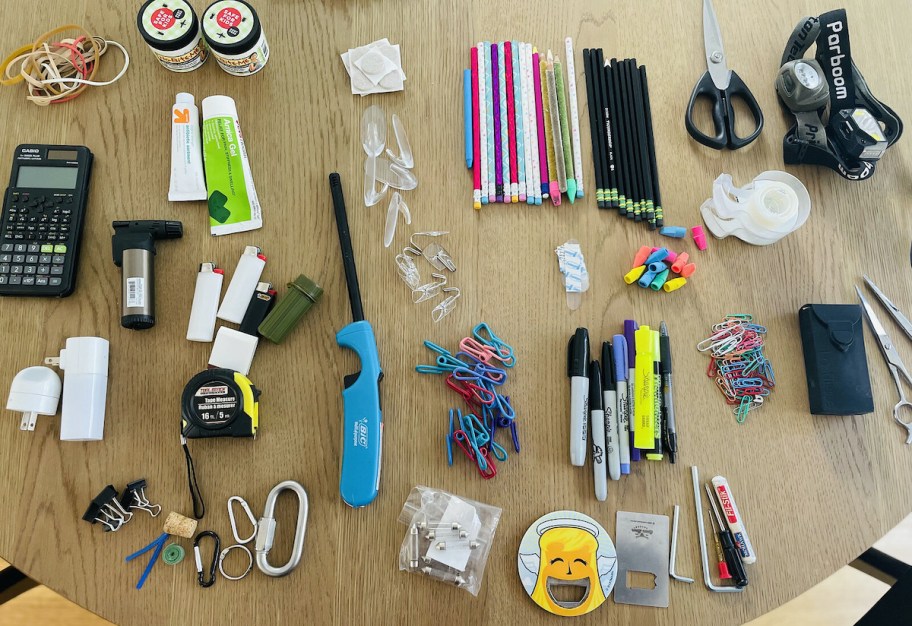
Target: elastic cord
column 199, row 507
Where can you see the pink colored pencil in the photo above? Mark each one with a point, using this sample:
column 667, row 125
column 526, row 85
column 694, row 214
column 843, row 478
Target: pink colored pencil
column 540, row 122
column 511, row 126
column 476, row 134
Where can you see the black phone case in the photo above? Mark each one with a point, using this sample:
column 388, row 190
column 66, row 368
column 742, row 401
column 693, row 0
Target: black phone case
column 835, row 363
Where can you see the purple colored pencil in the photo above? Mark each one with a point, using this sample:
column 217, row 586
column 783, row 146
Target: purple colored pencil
column 540, row 122
column 497, row 153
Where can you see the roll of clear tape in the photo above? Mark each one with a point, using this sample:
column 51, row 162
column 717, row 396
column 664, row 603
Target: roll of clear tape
column 762, row 212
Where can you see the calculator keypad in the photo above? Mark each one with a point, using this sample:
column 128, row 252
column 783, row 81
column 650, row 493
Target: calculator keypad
column 34, row 233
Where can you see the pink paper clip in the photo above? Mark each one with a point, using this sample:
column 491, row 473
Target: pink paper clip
column 477, row 349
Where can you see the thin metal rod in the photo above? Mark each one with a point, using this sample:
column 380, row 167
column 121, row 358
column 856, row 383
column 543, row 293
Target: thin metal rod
column 674, row 548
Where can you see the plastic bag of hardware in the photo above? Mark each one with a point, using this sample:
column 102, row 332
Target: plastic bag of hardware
column 448, row 537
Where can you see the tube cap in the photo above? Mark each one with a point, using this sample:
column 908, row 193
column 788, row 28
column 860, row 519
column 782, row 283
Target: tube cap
column 302, row 294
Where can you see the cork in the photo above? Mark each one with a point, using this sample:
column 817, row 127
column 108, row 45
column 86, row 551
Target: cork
column 177, row 524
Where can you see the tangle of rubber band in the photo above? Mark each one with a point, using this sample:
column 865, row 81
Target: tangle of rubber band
column 57, row 71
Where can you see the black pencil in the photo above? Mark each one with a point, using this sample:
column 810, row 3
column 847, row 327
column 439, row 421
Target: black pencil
column 635, row 183
column 656, row 194
column 638, row 144
column 600, row 128
column 643, row 142
column 620, row 134
column 594, row 131
column 606, row 132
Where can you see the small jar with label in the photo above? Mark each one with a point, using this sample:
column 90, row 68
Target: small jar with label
column 235, row 36
column 172, row 30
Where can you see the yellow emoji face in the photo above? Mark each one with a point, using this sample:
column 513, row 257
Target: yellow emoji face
column 568, row 559
column 567, row 563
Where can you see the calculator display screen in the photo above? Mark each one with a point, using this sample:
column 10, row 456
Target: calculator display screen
column 38, row 177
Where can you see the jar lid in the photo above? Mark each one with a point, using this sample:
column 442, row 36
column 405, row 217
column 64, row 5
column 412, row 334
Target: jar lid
column 167, row 25
column 231, row 26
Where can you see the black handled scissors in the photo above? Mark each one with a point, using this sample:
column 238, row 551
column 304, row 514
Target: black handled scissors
column 720, row 85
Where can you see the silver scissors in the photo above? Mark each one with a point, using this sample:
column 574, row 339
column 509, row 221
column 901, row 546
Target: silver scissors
column 891, row 355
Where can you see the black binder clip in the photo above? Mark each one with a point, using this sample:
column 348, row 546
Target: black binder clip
column 134, row 497
column 105, row 509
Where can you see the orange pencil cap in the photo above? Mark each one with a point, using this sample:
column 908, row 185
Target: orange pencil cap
column 680, row 262
column 641, row 256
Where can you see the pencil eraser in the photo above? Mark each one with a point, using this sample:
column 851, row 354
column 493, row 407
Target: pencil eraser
column 658, row 254
column 678, row 232
column 625, row 468
column 641, row 256
column 688, row 270
column 672, row 255
column 699, row 237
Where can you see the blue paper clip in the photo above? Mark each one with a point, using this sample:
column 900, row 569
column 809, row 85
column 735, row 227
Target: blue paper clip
column 496, row 375
column 449, row 441
column 464, row 373
column 466, row 425
column 432, row 369
column 503, row 351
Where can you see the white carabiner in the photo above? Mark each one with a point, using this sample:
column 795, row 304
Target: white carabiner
column 266, row 530
column 253, row 521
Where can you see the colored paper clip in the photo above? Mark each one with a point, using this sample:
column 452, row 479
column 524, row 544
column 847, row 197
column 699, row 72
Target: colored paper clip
column 479, row 351
column 464, row 373
column 449, row 440
column 490, row 468
column 461, row 439
column 495, row 375
column 469, row 432
column 503, row 351
column 504, row 408
column 471, row 393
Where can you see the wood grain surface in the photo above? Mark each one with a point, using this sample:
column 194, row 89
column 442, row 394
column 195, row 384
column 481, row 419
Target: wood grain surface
column 815, row 491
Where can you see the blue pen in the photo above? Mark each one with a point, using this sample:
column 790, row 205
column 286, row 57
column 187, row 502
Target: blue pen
column 623, row 405
column 362, row 429
column 467, row 109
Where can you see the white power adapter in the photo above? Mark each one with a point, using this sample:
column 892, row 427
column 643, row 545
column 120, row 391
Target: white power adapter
column 84, row 361
column 35, row 391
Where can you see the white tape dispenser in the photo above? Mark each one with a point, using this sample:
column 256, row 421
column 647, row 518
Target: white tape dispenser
column 762, row 212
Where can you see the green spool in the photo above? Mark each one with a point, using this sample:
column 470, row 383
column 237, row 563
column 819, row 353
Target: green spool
column 173, row 554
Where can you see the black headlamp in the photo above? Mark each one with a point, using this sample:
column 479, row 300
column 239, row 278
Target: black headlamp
column 840, row 124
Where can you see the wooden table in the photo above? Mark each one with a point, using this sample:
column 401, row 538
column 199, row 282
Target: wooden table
column 816, row 491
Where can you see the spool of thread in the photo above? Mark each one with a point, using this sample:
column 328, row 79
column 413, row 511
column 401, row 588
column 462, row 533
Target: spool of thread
column 235, row 36
column 180, row 526
column 172, row 31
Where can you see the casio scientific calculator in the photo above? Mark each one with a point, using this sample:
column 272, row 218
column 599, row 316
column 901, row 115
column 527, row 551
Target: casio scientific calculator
column 43, row 212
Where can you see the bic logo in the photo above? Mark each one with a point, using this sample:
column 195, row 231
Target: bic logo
column 361, row 432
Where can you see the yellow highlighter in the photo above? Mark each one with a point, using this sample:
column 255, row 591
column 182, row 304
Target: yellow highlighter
column 644, row 405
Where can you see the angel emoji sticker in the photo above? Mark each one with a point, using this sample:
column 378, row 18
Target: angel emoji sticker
column 567, row 563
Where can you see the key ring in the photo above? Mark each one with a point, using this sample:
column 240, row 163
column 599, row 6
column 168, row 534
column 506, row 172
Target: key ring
column 225, row 552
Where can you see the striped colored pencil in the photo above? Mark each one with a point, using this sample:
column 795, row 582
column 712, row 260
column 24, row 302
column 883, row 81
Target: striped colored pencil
column 511, row 123
column 549, row 100
column 528, row 121
column 532, row 116
column 498, row 138
column 487, row 172
column 569, row 181
column 504, row 195
column 574, row 118
column 518, row 108
column 540, row 122
column 477, row 158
